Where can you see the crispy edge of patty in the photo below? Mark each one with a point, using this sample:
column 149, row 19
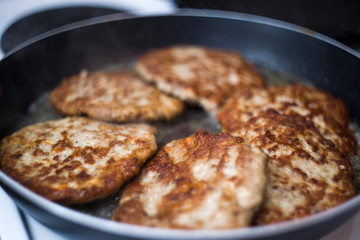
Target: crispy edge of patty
column 16, row 146
column 154, row 65
column 125, row 106
column 329, row 114
column 180, row 192
column 284, row 133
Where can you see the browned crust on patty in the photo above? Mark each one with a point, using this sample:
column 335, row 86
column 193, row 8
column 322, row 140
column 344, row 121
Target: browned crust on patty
column 328, row 113
column 76, row 160
column 113, row 96
column 202, row 181
column 206, row 76
column 306, row 174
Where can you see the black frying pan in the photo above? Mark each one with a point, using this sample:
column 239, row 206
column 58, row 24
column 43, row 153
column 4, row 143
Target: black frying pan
column 38, row 66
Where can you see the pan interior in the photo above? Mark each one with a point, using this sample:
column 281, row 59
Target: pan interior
column 193, row 119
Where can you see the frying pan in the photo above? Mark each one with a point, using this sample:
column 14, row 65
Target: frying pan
column 38, row 65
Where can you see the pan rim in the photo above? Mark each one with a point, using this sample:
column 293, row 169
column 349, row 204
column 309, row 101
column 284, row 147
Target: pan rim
column 129, row 230
column 190, row 13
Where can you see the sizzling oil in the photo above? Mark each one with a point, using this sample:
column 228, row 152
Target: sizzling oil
column 189, row 122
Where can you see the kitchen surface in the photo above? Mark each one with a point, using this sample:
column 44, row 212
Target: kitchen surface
column 21, row 20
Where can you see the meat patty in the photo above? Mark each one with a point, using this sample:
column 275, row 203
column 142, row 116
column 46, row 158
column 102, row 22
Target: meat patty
column 76, row 160
column 306, row 174
column 328, row 114
column 200, row 182
column 113, row 96
column 205, row 76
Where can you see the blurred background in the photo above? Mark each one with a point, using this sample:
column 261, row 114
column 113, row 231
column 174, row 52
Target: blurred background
column 21, row 20
column 338, row 19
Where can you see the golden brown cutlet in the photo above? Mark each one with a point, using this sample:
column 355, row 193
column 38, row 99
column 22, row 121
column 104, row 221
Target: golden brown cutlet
column 76, row 160
column 203, row 181
column 328, row 114
column 305, row 172
column 201, row 75
column 113, row 96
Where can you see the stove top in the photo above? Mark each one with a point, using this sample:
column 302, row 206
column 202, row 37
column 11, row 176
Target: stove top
column 21, row 20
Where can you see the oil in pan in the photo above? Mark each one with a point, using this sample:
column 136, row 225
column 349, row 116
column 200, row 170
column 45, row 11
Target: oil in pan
column 193, row 119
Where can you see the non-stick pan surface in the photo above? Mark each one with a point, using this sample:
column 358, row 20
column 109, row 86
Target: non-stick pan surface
column 37, row 66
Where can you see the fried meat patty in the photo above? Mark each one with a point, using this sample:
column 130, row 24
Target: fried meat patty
column 113, row 96
column 201, row 75
column 76, row 160
column 203, row 181
column 305, row 172
column 328, row 114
